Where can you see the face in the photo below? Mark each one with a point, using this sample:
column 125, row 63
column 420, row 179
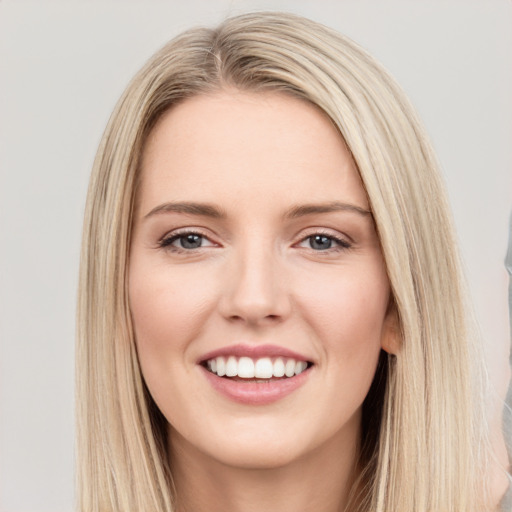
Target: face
column 253, row 254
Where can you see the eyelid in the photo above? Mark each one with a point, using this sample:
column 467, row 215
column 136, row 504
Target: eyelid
column 342, row 241
column 166, row 241
column 329, row 232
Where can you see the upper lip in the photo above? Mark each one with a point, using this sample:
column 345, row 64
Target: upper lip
column 254, row 352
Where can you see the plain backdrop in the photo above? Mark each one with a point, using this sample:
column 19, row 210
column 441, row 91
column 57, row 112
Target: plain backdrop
column 62, row 67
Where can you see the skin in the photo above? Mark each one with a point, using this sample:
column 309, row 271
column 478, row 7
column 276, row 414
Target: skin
column 257, row 279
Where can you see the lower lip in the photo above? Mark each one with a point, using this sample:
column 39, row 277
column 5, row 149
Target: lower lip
column 256, row 393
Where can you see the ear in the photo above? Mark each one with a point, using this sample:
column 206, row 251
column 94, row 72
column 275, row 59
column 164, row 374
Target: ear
column 391, row 336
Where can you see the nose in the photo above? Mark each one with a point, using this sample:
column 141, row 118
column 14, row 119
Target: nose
column 255, row 290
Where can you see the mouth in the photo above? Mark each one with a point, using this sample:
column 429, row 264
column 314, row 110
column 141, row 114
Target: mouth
column 255, row 375
column 262, row 369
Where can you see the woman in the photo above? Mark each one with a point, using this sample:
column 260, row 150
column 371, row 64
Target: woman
column 271, row 312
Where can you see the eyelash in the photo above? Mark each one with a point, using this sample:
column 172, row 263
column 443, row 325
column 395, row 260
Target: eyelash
column 166, row 242
column 340, row 244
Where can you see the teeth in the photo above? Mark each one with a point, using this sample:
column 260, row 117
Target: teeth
column 263, row 368
column 246, row 368
column 221, row 366
column 300, row 366
column 289, row 369
column 278, row 367
column 231, row 367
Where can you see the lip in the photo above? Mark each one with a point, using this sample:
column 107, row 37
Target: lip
column 256, row 393
column 254, row 352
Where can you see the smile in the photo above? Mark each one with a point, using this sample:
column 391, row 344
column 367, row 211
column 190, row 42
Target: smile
column 261, row 368
column 255, row 375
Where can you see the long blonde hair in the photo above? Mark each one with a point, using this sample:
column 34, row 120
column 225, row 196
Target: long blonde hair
column 424, row 434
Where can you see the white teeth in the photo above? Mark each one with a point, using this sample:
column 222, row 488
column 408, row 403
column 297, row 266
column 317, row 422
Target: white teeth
column 246, row 368
column 300, row 366
column 278, row 367
column 221, row 366
column 289, row 369
column 262, row 368
column 231, row 367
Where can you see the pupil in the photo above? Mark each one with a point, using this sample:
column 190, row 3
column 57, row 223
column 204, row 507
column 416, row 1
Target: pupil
column 191, row 241
column 320, row 242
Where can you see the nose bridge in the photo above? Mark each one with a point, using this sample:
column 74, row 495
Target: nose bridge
column 255, row 290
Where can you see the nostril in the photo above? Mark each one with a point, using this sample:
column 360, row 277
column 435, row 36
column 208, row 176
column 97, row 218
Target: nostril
column 253, row 319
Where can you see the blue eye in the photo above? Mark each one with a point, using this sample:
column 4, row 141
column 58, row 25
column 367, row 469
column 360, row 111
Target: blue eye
column 190, row 241
column 185, row 241
column 321, row 242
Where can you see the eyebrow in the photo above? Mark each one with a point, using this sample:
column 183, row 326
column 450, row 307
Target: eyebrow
column 333, row 206
column 212, row 211
column 190, row 208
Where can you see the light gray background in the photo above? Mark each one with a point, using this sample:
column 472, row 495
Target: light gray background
column 63, row 66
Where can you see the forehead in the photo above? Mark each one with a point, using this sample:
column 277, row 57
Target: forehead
column 257, row 147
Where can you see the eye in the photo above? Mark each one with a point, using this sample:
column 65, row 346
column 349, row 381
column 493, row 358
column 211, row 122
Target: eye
column 323, row 242
column 320, row 242
column 185, row 241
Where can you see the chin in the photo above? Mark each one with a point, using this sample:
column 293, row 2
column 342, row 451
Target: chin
column 256, row 457
column 254, row 443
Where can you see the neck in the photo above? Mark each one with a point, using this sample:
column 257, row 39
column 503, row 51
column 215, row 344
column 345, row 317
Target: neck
column 322, row 480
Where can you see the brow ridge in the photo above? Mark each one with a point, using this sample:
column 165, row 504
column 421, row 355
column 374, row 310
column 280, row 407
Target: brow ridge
column 210, row 210
column 332, row 206
column 188, row 207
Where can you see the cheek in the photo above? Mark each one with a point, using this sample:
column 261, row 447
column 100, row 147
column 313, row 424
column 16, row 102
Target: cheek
column 350, row 303
column 346, row 310
column 168, row 310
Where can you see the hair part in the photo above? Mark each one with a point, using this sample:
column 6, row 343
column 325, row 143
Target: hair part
column 424, row 435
